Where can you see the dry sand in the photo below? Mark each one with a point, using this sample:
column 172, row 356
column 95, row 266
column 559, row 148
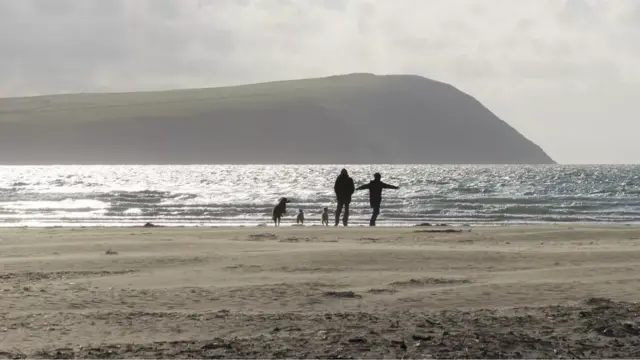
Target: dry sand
column 320, row 292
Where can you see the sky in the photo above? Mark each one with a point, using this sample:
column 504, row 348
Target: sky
column 565, row 73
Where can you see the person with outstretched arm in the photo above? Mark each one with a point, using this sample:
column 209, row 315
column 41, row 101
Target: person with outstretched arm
column 375, row 195
column 344, row 188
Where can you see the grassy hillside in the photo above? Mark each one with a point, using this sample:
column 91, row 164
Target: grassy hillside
column 357, row 118
column 123, row 106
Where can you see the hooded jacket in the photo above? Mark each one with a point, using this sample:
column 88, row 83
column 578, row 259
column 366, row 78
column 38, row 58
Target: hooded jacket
column 344, row 188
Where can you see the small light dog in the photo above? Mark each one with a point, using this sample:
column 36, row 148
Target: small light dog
column 325, row 217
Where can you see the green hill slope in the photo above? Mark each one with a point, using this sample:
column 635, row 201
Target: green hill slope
column 357, row 118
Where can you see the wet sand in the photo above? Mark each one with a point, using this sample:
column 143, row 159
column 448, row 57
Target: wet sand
column 553, row 291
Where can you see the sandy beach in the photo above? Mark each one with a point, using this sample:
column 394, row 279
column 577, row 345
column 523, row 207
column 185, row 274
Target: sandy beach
column 552, row 291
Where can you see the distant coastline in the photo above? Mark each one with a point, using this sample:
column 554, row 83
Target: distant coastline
column 355, row 119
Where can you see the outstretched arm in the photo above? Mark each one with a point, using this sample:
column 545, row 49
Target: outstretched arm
column 387, row 186
column 363, row 187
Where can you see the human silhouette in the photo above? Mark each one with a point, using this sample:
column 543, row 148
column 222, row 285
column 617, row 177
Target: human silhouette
column 300, row 217
column 344, row 188
column 375, row 195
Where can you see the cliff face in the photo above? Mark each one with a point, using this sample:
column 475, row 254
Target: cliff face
column 358, row 118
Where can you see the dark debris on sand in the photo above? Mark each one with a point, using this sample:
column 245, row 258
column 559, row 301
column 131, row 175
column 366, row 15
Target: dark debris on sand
column 430, row 224
column 596, row 328
column 58, row 275
column 262, row 237
column 438, row 231
column 343, row 294
column 430, row 281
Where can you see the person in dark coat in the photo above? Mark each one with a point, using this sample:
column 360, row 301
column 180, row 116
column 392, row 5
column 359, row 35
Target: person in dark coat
column 375, row 195
column 344, row 188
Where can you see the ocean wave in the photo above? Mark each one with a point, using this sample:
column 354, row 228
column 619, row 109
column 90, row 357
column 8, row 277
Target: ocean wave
column 65, row 204
column 246, row 194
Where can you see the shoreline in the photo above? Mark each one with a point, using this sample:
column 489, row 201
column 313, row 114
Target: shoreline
column 166, row 292
column 314, row 226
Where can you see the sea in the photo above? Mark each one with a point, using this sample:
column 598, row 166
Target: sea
column 244, row 195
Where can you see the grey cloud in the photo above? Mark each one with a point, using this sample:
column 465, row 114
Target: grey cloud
column 577, row 11
column 55, row 7
column 102, row 9
column 366, row 11
column 337, row 5
column 524, row 25
column 60, row 52
column 492, row 49
column 164, row 8
column 467, row 67
column 150, row 40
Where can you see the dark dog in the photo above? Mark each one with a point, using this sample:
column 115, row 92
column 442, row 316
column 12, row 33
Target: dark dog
column 279, row 210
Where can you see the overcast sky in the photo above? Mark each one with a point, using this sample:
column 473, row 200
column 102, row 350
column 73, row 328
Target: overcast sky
column 566, row 74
